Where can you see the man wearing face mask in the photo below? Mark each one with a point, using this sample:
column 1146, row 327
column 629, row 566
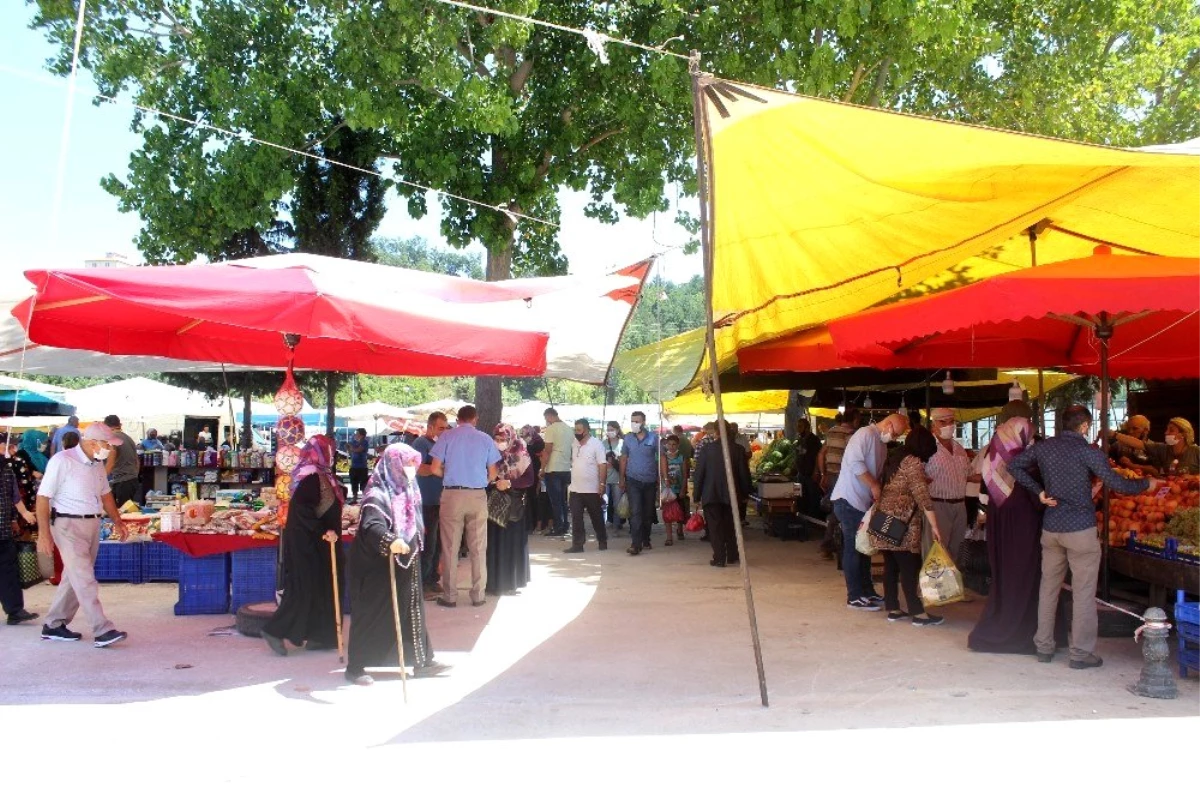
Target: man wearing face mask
column 589, row 471
column 858, row 488
column 639, row 479
column 70, row 497
column 430, row 486
column 1067, row 463
column 948, row 471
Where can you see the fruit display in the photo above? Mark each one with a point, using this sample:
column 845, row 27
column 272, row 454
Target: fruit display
column 778, row 458
column 1150, row 519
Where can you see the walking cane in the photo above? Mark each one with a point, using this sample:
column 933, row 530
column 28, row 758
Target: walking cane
column 399, row 632
column 337, row 601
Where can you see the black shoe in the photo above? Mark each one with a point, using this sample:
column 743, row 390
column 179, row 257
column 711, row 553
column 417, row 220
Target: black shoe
column 109, row 638
column 634, row 550
column 1045, row 657
column 603, row 546
column 443, row 602
column 478, row 603
column 897, row 615
column 59, row 633
column 929, row 621
column 572, row 550
column 705, row 537
column 432, row 670
column 20, row 616
column 876, row 598
column 734, row 561
column 276, row 644
column 718, row 565
column 647, row 545
column 1089, row 662
column 317, row 646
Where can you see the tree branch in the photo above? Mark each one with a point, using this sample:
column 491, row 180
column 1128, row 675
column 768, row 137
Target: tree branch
column 859, row 72
column 880, row 81
column 520, row 77
column 818, row 37
column 466, row 53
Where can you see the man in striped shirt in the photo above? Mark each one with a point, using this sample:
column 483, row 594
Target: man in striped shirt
column 948, row 472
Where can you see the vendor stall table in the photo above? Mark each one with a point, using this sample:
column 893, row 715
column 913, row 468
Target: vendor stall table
column 1162, row 575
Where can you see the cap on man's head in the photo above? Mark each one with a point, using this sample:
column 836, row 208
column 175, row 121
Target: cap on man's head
column 112, row 420
column 98, row 431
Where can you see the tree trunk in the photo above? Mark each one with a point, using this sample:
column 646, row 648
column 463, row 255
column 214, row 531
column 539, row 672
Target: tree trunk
column 247, row 411
column 791, row 415
column 489, row 400
column 331, row 386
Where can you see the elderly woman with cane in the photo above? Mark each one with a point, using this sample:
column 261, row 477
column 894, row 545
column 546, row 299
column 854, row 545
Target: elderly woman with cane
column 386, row 587
column 307, row 614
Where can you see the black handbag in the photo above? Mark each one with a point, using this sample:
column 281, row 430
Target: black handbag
column 498, row 505
column 888, row 527
column 516, row 506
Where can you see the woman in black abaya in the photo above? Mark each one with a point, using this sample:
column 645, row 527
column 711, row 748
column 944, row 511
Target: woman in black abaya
column 305, row 615
column 388, row 547
column 508, row 544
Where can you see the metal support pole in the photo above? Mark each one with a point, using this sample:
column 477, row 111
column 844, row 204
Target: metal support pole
column 1104, row 331
column 705, row 180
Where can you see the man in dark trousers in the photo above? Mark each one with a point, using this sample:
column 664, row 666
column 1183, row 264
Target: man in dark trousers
column 712, row 492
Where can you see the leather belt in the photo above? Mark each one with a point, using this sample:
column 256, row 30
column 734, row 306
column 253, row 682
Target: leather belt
column 58, row 515
column 949, row 501
column 462, row 488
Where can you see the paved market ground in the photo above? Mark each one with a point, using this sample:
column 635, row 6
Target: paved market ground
column 607, row 672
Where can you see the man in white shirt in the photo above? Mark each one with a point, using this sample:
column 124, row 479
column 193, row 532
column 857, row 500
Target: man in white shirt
column 948, row 471
column 589, row 471
column 70, row 497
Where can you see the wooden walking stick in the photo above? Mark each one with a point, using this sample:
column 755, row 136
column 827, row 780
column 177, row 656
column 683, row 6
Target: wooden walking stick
column 337, row 601
column 399, row 632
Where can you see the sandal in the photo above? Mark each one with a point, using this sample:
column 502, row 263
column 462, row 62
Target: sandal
column 634, row 550
column 670, row 542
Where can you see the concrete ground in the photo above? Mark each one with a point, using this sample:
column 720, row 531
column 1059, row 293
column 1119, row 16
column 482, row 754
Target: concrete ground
column 607, row 673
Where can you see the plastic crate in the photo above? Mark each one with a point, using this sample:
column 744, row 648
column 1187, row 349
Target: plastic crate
column 160, row 562
column 1189, row 657
column 1187, row 618
column 119, row 563
column 203, row 585
column 251, row 576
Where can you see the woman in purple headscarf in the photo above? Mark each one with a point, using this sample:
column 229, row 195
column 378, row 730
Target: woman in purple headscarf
column 305, row 615
column 508, row 542
column 391, row 535
column 1014, row 525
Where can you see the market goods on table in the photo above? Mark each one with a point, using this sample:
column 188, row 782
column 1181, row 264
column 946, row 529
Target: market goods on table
column 1163, row 521
column 778, row 458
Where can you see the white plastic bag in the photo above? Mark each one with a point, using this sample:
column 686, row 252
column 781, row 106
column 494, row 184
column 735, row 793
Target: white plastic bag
column 862, row 538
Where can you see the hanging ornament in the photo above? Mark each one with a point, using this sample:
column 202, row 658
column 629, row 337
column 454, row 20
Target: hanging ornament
column 290, row 430
column 288, row 400
column 948, row 384
column 286, row 458
column 867, row 403
column 1016, row 393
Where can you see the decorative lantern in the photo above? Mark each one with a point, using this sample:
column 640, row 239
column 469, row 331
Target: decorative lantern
column 290, row 431
column 286, row 458
column 288, row 400
column 283, row 487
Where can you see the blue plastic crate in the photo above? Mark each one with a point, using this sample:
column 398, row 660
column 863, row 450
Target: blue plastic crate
column 1187, row 618
column 160, row 562
column 252, row 576
column 1189, row 657
column 119, row 563
column 203, row 585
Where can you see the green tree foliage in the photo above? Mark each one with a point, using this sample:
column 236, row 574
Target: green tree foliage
column 416, row 253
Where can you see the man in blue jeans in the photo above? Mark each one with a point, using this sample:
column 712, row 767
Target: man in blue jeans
column 856, row 490
column 556, row 466
column 639, row 479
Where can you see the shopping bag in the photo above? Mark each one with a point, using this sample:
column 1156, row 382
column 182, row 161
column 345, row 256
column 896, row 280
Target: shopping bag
column 941, row 582
column 666, row 495
column 498, row 505
column 672, row 512
column 696, row 523
column 623, row 507
column 862, row 538
column 27, row 564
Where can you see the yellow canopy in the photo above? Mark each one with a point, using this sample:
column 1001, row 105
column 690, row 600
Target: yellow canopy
column 694, row 403
column 822, row 209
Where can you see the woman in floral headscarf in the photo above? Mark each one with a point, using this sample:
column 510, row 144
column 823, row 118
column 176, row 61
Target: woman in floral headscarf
column 508, row 543
column 1014, row 525
column 391, row 536
column 305, row 615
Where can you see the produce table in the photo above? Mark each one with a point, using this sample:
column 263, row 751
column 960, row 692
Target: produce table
column 1162, row 575
column 199, row 545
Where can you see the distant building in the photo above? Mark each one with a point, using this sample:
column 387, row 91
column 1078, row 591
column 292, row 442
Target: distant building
column 110, row 259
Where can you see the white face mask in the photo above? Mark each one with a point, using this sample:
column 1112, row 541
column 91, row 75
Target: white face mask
column 885, row 436
column 1172, row 440
column 410, row 472
column 635, row 427
column 612, row 433
column 502, row 445
column 101, row 454
column 946, row 431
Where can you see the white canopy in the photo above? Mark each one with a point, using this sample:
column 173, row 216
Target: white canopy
column 143, row 404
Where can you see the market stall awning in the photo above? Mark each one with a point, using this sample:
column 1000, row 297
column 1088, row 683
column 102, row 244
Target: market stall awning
column 1046, row 316
column 822, row 209
column 695, row 403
